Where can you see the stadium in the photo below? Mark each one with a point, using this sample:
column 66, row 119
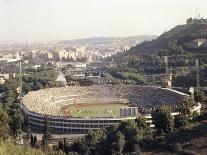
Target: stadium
column 78, row 109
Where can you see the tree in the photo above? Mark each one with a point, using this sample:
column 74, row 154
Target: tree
column 80, row 147
column 200, row 96
column 4, row 120
column 144, row 127
column 119, row 142
column 32, row 141
column 105, row 145
column 16, row 118
column 61, row 145
column 9, row 98
column 181, row 121
column 185, row 106
column 116, row 139
column 46, row 136
column 185, row 114
column 136, row 149
column 132, row 134
column 93, row 139
column 163, row 120
column 35, row 141
column 177, row 147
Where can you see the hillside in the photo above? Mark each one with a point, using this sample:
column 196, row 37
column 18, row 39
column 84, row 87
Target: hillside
column 181, row 35
column 193, row 140
column 11, row 149
column 183, row 45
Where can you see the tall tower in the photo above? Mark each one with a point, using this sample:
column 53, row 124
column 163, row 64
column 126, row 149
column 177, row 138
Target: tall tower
column 168, row 77
column 197, row 73
column 90, row 58
column 166, row 67
column 20, row 80
column 17, row 55
column 20, row 89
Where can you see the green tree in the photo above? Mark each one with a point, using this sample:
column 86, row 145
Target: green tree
column 10, row 98
column 16, row 118
column 81, row 147
column 163, row 120
column 132, row 134
column 47, row 135
column 105, row 146
column 31, row 141
column 144, row 127
column 119, row 142
column 185, row 114
column 93, row 139
column 200, row 96
column 35, row 141
column 185, row 106
column 181, row 121
column 4, row 120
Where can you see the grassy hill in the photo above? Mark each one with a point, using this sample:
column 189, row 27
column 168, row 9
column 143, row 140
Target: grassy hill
column 8, row 148
column 11, row 149
column 192, row 140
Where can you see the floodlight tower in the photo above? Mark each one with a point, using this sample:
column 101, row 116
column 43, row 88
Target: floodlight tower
column 20, row 81
column 20, row 88
column 166, row 68
column 197, row 73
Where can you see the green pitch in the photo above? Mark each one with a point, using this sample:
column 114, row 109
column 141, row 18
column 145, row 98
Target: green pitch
column 93, row 110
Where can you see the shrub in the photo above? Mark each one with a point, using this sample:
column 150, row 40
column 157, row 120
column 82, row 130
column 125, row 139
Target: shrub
column 177, row 147
column 181, row 121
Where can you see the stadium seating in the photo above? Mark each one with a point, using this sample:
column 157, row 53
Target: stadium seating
column 50, row 101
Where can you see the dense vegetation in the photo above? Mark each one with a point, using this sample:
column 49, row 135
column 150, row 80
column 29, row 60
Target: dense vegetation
column 11, row 149
column 39, row 79
column 148, row 58
column 12, row 120
column 10, row 95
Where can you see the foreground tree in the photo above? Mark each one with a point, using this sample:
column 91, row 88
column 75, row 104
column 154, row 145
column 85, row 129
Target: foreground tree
column 185, row 113
column 31, row 141
column 144, row 127
column 119, row 143
column 163, row 120
column 16, row 118
column 9, row 98
column 132, row 134
column 117, row 139
column 185, row 106
column 47, row 135
column 4, row 120
column 90, row 144
column 181, row 121
column 200, row 96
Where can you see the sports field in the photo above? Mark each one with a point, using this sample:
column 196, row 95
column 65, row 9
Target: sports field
column 93, row 110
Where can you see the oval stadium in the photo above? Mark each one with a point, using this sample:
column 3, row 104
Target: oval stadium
column 78, row 109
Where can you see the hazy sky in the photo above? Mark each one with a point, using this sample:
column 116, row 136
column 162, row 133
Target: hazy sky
column 67, row 19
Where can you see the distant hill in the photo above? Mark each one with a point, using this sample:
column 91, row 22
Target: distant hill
column 181, row 35
column 136, row 39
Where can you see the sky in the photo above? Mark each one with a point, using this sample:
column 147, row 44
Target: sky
column 43, row 20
